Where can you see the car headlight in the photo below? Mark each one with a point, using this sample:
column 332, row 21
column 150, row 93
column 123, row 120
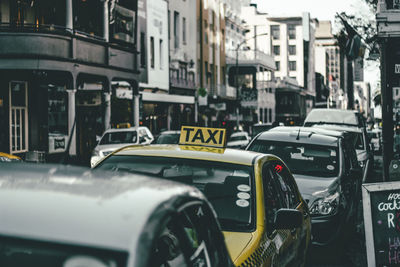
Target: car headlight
column 96, row 153
column 325, row 203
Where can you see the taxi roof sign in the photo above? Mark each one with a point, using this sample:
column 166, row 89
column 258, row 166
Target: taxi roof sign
column 203, row 136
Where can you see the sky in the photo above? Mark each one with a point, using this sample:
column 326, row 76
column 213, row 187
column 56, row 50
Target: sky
column 323, row 10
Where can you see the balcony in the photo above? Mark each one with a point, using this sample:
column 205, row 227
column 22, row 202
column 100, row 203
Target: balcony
column 50, row 42
column 250, row 57
column 182, row 83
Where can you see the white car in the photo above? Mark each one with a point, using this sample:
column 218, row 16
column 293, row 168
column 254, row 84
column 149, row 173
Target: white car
column 238, row 140
column 113, row 139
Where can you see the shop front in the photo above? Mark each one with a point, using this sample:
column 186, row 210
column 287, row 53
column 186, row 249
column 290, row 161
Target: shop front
column 161, row 112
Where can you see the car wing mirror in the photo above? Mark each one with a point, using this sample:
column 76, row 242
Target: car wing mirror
column 288, row 219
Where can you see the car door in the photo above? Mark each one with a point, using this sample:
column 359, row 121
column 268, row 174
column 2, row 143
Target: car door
column 274, row 199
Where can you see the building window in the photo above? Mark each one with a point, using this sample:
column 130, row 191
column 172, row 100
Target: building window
column 142, row 49
column 184, row 30
column 121, row 19
column 278, row 65
column 275, row 32
column 292, row 65
column 277, row 50
column 292, row 31
column 152, row 52
column 161, row 55
column 270, row 115
column 292, row 50
column 176, row 29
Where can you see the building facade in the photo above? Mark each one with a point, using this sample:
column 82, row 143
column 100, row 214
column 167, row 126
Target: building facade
column 211, row 65
column 182, row 65
column 58, row 62
column 251, row 71
column 291, row 41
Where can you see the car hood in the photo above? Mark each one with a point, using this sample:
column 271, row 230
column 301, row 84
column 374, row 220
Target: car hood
column 309, row 185
column 237, row 243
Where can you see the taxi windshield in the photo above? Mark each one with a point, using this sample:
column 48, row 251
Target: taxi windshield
column 227, row 186
column 305, row 159
column 16, row 252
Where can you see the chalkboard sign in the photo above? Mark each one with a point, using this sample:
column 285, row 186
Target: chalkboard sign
column 381, row 203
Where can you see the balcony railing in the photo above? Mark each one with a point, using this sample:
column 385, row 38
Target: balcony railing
column 182, row 83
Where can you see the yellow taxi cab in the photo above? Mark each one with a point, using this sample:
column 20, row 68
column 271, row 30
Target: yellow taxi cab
column 264, row 219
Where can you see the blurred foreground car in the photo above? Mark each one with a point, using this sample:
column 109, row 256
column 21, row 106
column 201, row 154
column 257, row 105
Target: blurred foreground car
column 238, row 140
column 63, row 216
column 167, row 137
column 113, row 139
column 324, row 164
column 264, row 218
column 4, row 157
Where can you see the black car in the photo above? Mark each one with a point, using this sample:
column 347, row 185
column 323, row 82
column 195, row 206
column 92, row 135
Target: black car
column 325, row 167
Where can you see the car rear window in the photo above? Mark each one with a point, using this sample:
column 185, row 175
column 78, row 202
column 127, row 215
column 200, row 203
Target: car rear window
column 125, row 137
column 15, row 252
column 237, row 138
column 305, row 159
column 168, row 139
column 227, row 186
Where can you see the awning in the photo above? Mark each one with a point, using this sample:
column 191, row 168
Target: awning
column 180, row 99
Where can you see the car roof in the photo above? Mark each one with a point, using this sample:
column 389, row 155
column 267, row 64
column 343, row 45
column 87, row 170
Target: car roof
column 170, row 132
column 79, row 206
column 227, row 155
column 304, row 135
column 135, row 128
column 316, row 115
column 347, row 128
column 239, row 133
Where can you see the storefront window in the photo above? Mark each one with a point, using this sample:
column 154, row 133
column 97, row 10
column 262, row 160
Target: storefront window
column 57, row 118
column 88, row 16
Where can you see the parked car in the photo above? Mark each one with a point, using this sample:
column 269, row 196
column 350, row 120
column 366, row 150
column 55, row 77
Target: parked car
column 63, row 216
column 365, row 153
column 325, row 167
column 334, row 116
column 5, row 157
column 113, row 139
column 265, row 220
column 238, row 140
column 167, row 137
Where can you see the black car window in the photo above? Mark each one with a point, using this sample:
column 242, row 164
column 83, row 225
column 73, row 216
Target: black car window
column 289, row 188
column 359, row 141
column 168, row 247
column 306, row 159
column 273, row 197
column 168, row 139
column 204, row 248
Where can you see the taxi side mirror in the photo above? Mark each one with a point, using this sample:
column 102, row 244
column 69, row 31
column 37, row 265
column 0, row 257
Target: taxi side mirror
column 288, row 219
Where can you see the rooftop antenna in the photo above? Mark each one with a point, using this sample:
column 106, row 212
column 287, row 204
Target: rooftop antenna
column 298, row 135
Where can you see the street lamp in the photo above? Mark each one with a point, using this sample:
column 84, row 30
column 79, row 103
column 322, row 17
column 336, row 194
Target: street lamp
column 237, row 71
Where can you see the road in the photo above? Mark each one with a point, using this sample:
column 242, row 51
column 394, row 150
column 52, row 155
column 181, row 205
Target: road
column 350, row 252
